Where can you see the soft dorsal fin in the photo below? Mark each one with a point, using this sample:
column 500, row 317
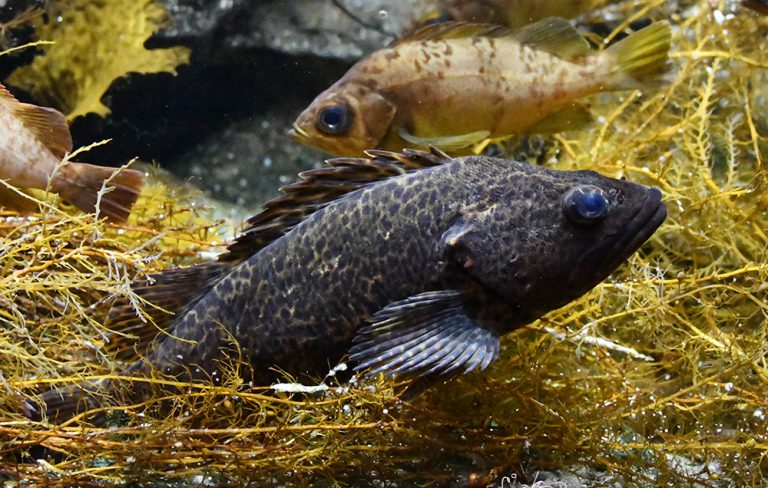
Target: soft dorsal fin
column 454, row 30
column 555, row 36
column 319, row 188
column 48, row 125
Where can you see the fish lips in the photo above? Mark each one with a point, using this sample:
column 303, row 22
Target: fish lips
column 639, row 229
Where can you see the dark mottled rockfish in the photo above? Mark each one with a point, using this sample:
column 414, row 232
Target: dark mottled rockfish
column 33, row 142
column 414, row 263
column 456, row 84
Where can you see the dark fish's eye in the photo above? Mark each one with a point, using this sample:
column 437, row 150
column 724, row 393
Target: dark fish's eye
column 334, row 119
column 585, row 204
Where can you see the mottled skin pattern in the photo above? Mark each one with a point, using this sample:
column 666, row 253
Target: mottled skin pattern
column 492, row 228
column 500, row 85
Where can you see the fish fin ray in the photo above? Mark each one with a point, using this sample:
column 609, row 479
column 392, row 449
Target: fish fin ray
column 82, row 182
column 555, row 36
column 169, row 293
column 642, row 59
column 449, row 333
column 61, row 404
column 47, row 124
column 454, row 30
column 447, row 143
column 320, row 187
column 574, row 117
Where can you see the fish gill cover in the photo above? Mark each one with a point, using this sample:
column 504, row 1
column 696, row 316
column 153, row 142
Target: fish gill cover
column 656, row 377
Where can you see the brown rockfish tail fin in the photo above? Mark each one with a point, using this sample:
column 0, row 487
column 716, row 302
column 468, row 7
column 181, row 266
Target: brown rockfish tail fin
column 80, row 184
column 642, row 59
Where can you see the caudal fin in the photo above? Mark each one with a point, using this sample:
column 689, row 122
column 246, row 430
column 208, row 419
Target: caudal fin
column 642, row 59
column 81, row 183
column 60, row 405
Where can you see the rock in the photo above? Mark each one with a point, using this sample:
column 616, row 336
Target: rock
column 320, row 28
column 247, row 162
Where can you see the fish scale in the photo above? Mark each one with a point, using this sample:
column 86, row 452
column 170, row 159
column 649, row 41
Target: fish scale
column 419, row 272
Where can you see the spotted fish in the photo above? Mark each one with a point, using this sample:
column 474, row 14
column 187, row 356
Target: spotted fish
column 412, row 263
column 454, row 85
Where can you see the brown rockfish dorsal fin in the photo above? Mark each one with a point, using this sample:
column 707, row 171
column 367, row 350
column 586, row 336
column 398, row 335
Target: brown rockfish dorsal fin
column 319, row 188
column 454, row 30
column 47, row 124
column 555, row 36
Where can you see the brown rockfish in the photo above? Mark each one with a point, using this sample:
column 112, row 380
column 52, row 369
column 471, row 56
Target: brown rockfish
column 415, row 264
column 33, row 142
column 517, row 13
column 454, row 85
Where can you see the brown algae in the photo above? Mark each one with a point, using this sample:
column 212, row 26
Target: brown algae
column 658, row 376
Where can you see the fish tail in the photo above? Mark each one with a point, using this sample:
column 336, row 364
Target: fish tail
column 81, row 184
column 642, row 59
column 62, row 404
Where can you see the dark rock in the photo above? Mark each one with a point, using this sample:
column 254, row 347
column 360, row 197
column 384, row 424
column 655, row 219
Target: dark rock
column 346, row 29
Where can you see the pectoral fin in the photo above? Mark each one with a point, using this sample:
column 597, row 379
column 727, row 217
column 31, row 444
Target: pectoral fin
column 575, row 117
column 447, row 143
column 430, row 333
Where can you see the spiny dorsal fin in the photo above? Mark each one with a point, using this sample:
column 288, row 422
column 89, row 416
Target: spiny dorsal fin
column 319, row 188
column 454, row 30
column 555, row 36
column 48, row 125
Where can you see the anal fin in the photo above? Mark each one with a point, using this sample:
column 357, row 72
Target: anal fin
column 430, row 333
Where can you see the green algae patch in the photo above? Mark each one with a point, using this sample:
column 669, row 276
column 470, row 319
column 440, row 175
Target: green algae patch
column 655, row 378
column 94, row 43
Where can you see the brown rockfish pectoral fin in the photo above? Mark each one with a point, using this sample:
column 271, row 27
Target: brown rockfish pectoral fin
column 81, row 183
column 430, row 333
column 446, row 143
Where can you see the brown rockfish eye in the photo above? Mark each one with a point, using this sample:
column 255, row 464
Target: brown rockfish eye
column 585, row 204
column 335, row 119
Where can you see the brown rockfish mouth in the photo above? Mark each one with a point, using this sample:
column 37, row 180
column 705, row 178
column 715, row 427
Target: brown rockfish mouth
column 642, row 226
column 298, row 134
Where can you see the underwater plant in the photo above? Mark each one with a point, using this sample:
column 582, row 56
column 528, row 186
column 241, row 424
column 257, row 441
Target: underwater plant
column 655, row 378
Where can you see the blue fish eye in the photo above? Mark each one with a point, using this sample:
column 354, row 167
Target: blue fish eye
column 585, row 204
column 334, row 119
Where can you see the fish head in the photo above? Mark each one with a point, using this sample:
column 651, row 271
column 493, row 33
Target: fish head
column 538, row 239
column 345, row 120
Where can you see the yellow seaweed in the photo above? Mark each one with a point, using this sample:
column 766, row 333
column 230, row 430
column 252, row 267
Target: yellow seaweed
column 95, row 42
column 657, row 377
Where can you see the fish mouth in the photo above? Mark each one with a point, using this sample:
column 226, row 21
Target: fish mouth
column 640, row 228
column 298, row 134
